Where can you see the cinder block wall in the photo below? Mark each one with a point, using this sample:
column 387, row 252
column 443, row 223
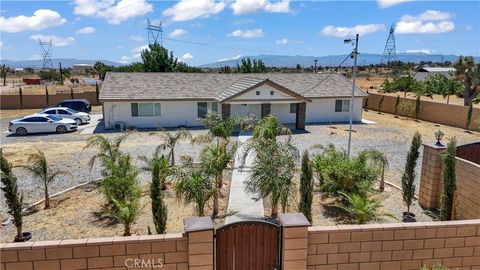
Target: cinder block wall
column 171, row 250
column 431, row 177
column 468, row 189
column 39, row 101
column 442, row 113
column 455, row 244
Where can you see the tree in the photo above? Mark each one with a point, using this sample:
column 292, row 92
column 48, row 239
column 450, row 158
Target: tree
column 306, row 187
column 160, row 169
column 170, row 140
column 249, row 66
column 268, row 128
column 441, row 85
column 449, row 181
column 469, row 116
column 469, row 73
column 408, row 177
column 194, row 186
column 361, row 208
column 39, row 167
column 218, row 127
column 127, row 212
column 12, row 196
column 3, row 72
column 156, row 58
column 272, row 171
column 98, row 67
column 378, row 161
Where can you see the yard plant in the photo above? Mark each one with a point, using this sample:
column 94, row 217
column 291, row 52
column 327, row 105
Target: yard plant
column 171, row 139
column 449, row 181
column 306, row 187
column 362, row 208
column 193, row 186
column 408, row 177
column 13, row 197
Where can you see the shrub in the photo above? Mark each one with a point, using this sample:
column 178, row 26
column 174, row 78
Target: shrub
column 408, row 177
column 194, row 187
column 12, row 196
column 449, row 181
column 361, row 208
column 306, row 187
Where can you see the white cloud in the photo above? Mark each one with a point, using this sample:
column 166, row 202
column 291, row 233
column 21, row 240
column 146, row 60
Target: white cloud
column 36, row 57
column 56, row 41
column 389, row 3
column 231, row 58
column 110, row 10
column 41, row 19
column 186, row 56
column 139, row 49
column 252, row 6
column 361, row 29
column 1, row 45
column 426, row 51
column 428, row 22
column 251, row 33
column 86, row 30
column 137, row 38
column 177, row 33
column 244, row 21
column 282, row 41
column 191, row 9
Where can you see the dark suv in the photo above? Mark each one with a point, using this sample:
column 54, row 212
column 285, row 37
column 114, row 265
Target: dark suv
column 81, row 105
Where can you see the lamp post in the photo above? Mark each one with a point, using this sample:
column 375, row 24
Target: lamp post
column 354, row 75
column 438, row 136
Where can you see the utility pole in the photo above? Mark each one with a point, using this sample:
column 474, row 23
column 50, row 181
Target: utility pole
column 354, row 75
column 316, row 60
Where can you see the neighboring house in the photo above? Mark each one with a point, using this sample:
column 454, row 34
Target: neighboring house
column 425, row 72
column 155, row 100
column 81, row 67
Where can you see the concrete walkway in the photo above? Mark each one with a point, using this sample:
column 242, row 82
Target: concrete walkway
column 243, row 205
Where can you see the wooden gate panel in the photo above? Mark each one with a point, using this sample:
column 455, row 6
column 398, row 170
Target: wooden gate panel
column 248, row 245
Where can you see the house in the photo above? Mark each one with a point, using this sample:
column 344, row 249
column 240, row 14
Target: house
column 425, row 72
column 155, row 100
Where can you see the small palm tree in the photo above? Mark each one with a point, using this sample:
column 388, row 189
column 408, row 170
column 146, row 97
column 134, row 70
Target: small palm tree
column 38, row 166
column 109, row 150
column 170, row 140
column 268, row 128
column 194, row 187
column 362, row 208
column 127, row 213
column 12, row 196
column 218, row 127
column 158, row 166
column 215, row 158
column 378, row 162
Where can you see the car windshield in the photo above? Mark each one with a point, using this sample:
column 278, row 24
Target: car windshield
column 71, row 110
column 54, row 117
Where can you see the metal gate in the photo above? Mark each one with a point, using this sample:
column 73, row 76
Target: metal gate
column 248, row 245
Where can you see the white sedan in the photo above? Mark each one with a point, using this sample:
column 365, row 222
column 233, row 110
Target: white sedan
column 41, row 123
column 63, row 112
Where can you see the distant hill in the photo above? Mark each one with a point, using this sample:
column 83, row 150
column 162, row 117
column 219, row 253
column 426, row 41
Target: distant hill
column 65, row 63
column 334, row 60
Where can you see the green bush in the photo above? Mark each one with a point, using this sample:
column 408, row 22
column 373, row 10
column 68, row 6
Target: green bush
column 449, row 181
column 306, row 187
column 408, row 177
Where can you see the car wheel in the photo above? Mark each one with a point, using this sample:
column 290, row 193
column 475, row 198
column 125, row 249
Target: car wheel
column 21, row 131
column 79, row 121
column 61, row 129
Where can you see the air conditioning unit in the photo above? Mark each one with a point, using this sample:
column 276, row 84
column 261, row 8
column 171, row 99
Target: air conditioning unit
column 119, row 126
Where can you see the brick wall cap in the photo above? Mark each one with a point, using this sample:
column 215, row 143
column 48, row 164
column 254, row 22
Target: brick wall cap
column 389, row 226
column 46, row 244
column 152, row 237
column 19, row 245
column 73, row 242
column 434, row 146
column 323, row 229
column 125, row 239
column 414, row 225
column 349, row 227
column 99, row 241
column 174, row 236
column 198, row 224
column 369, row 227
column 293, row 220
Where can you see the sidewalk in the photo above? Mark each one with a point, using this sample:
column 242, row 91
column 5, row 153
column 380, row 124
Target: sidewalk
column 242, row 205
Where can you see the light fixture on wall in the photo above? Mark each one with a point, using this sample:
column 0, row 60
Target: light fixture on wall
column 438, row 136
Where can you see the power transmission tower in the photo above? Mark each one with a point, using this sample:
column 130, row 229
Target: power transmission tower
column 154, row 32
column 390, row 51
column 46, row 48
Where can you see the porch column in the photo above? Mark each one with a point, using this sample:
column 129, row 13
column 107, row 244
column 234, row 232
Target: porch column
column 295, row 240
column 225, row 111
column 266, row 109
column 300, row 115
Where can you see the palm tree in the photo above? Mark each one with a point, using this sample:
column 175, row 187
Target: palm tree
column 127, row 213
column 272, row 171
column 268, row 128
column 158, row 166
column 13, row 197
column 38, row 166
column 109, row 150
column 362, row 208
column 218, row 127
column 193, row 186
column 215, row 158
column 170, row 140
column 378, row 162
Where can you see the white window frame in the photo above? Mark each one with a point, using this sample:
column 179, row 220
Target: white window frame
column 155, row 112
column 345, row 105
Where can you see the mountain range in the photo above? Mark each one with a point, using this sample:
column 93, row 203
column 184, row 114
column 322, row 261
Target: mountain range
column 66, row 63
column 333, row 60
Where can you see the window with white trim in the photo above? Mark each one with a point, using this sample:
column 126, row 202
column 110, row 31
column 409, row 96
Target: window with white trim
column 293, row 107
column 342, row 105
column 145, row 109
column 202, row 109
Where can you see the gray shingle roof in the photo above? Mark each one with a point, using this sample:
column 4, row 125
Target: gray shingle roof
column 212, row 86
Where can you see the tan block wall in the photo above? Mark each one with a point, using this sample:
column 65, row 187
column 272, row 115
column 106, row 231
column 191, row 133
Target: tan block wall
column 456, row 244
column 100, row 253
column 200, row 250
column 39, row 101
column 442, row 113
column 468, row 189
column 295, row 245
column 431, row 177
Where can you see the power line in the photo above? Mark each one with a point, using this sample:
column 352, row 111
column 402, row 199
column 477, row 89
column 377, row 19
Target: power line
column 218, row 46
column 330, row 73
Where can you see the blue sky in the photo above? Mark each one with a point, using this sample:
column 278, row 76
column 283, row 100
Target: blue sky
column 114, row 29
